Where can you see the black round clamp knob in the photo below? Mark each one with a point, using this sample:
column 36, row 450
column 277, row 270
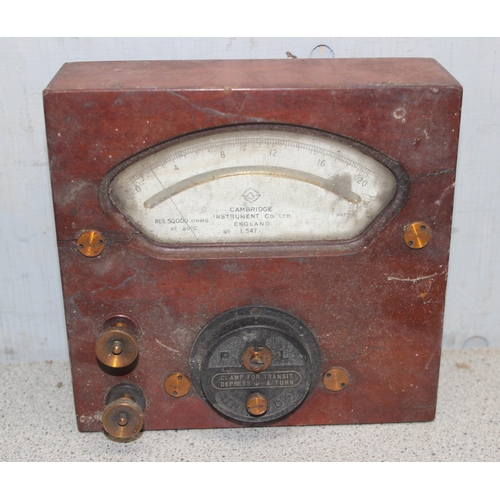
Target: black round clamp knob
column 255, row 364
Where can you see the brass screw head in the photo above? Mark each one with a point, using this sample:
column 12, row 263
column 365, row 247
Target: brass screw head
column 177, row 385
column 417, row 235
column 90, row 243
column 336, row 379
column 256, row 359
column 256, row 404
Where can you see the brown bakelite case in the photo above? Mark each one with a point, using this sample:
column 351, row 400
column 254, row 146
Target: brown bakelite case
column 373, row 309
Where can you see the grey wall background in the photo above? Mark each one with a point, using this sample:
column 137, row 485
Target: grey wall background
column 31, row 308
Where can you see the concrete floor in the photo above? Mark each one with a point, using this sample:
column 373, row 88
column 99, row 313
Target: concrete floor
column 37, row 423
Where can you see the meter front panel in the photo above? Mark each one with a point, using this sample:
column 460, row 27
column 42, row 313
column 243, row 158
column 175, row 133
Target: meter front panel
column 253, row 242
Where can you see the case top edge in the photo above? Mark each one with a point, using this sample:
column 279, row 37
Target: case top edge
column 253, row 74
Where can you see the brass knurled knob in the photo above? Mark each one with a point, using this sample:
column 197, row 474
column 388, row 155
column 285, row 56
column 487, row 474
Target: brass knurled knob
column 123, row 417
column 116, row 347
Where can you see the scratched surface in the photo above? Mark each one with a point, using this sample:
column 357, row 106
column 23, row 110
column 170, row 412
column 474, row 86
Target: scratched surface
column 31, row 310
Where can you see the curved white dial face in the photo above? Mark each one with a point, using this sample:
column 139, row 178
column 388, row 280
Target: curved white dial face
column 249, row 186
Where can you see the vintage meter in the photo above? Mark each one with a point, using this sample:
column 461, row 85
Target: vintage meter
column 258, row 242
